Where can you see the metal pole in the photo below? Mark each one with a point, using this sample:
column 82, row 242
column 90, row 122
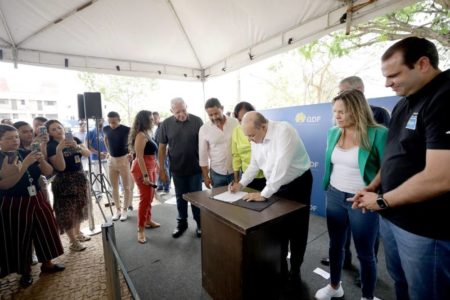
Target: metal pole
column 112, row 274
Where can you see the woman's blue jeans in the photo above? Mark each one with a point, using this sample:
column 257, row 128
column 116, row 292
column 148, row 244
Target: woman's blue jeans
column 364, row 227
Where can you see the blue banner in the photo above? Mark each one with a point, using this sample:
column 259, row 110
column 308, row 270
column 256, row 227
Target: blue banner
column 312, row 123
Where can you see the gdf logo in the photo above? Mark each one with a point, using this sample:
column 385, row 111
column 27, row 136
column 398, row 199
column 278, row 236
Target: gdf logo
column 314, row 164
column 302, row 118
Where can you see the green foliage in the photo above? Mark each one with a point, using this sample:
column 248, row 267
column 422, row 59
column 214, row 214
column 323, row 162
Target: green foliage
column 128, row 94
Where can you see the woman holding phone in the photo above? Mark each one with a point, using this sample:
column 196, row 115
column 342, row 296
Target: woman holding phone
column 355, row 148
column 70, row 187
column 25, row 214
column 143, row 169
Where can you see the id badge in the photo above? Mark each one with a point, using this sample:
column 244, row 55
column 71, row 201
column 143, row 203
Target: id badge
column 412, row 122
column 32, row 190
column 77, row 159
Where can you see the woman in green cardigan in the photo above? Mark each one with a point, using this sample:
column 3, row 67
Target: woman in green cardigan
column 353, row 157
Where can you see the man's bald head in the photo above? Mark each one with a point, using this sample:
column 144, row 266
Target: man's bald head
column 254, row 125
column 351, row 83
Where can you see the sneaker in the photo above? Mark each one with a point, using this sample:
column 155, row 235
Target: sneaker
column 34, row 259
column 77, row 246
column 83, row 238
column 116, row 216
column 328, row 292
column 374, row 298
column 124, row 216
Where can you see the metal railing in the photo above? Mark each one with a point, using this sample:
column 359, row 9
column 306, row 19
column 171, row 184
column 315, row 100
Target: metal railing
column 112, row 259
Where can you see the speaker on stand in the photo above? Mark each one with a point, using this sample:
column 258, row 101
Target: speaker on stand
column 90, row 107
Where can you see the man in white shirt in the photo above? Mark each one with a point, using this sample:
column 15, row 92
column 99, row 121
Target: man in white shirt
column 279, row 152
column 214, row 144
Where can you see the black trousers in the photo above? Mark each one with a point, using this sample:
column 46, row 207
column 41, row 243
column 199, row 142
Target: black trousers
column 295, row 228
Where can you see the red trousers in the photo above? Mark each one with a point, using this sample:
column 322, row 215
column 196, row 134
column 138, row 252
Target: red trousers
column 146, row 192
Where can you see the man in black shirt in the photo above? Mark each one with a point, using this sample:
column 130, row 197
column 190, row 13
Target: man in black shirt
column 180, row 133
column 116, row 141
column 415, row 180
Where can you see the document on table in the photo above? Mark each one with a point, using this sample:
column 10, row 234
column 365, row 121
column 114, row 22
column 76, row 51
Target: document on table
column 230, row 197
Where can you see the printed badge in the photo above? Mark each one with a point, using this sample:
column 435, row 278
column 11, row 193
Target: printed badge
column 412, row 122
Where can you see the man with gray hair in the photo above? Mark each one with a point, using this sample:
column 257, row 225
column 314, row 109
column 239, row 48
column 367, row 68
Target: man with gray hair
column 288, row 175
column 180, row 133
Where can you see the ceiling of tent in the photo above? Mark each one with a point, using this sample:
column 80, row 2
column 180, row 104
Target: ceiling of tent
column 182, row 39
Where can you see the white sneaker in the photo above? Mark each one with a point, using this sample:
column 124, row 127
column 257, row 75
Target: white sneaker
column 328, row 292
column 34, row 259
column 374, row 298
column 116, row 216
column 124, row 216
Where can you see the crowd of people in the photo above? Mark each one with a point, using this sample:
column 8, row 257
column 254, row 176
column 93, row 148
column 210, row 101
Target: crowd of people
column 385, row 176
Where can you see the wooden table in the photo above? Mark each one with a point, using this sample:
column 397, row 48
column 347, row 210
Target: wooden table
column 241, row 249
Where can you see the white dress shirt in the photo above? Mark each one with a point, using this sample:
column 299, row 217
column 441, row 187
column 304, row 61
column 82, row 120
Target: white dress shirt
column 215, row 144
column 282, row 157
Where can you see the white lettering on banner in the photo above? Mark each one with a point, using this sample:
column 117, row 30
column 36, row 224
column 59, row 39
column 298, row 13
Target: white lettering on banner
column 303, row 118
column 314, row 164
column 313, row 207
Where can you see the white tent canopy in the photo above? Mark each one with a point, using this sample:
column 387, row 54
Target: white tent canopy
column 181, row 39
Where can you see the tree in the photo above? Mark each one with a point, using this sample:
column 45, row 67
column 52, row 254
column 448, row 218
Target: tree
column 310, row 68
column 128, row 94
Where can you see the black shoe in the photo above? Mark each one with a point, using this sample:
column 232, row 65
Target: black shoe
column 325, row 261
column 53, row 269
column 198, row 232
column 26, row 280
column 130, row 207
column 177, row 232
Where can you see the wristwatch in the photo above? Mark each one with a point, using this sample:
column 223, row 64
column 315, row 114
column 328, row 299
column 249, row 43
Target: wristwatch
column 382, row 203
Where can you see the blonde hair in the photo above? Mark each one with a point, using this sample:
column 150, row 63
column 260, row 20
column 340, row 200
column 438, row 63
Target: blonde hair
column 360, row 113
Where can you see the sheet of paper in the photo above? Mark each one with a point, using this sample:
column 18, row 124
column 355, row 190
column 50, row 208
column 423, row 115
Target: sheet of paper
column 322, row 273
column 230, row 197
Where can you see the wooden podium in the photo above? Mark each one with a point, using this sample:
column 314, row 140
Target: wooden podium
column 241, row 250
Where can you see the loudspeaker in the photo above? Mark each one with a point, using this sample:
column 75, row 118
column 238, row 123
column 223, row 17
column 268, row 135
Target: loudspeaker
column 81, row 113
column 93, row 105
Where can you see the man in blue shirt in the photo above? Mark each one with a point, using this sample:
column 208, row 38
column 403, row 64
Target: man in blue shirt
column 95, row 145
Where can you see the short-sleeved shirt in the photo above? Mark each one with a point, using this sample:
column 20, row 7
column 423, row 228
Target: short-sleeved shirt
column 21, row 187
column 419, row 122
column 182, row 138
column 117, row 140
column 71, row 156
column 92, row 138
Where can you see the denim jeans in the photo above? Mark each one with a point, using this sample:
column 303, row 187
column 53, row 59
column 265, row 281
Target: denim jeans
column 364, row 227
column 419, row 266
column 165, row 185
column 183, row 185
column 219, row 179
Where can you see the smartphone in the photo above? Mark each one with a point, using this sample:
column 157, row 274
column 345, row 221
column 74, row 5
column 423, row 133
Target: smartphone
column 350, row 199
column 36, row 147
column 69, row 136
column 42, row 130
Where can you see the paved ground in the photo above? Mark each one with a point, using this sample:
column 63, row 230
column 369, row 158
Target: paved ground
column 84, row 277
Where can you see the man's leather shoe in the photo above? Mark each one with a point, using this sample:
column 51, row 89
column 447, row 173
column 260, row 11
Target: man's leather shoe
column 325, row 261
column 178, row 231
column 53, row 269
column 198, row 232
column 26, row 280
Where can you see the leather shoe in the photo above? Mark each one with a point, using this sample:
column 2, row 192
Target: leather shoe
column 325, row 261
column 177, row 232
column 53, row 269
column 198, row 232
column 26, row 280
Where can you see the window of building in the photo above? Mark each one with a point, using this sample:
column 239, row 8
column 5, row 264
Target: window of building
column 22, row 102
column 50, row 103
column 15, row 116
column 51, row 116
column 4, row 116
column 4, row 101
